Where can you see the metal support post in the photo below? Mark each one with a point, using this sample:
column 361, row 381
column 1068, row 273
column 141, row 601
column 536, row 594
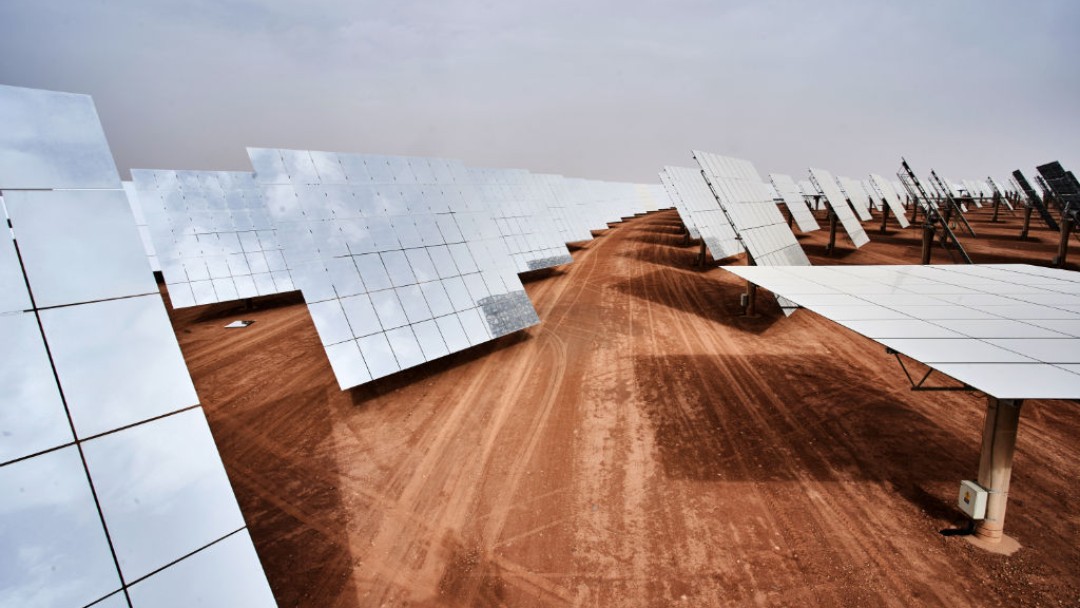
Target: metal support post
column 884, row 217
column 832, row 232
column 995, row 463
column 927, row 242
column 1027, row 222
column 1063, row 243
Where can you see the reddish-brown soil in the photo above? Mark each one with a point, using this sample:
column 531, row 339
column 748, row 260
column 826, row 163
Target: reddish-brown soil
column 646, row 445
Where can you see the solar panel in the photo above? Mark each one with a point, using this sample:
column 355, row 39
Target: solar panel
column 860, row 201
column 1011, row 331
column 1064, row 185
column 564, row 211
column 701, row 213
column 522, row 217
column 1035, row 200
column 214, row 236
column 683, row 209
column 826, row 185
column 140, row 223
column 872, row 192
column 397, row 260
column 754, row 216
column 52, row 140
column 892, row 199
column 110, row 476
column 793, row 198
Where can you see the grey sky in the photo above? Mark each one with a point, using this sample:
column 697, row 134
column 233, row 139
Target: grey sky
column 608, row 90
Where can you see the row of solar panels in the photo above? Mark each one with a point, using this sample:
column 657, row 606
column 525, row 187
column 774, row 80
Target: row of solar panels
column 401, row 260
column 725, row 202
column 114, row 492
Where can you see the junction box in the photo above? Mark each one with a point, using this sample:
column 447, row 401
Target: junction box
column 972, row 499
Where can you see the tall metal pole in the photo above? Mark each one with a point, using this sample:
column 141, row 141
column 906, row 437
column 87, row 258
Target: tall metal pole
column 927, row 242
column 995, row 463
column 884, row 217
column 1063, row 243
column 832, row 231
column 1027, row 222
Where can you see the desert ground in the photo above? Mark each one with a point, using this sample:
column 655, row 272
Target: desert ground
column 646, row 445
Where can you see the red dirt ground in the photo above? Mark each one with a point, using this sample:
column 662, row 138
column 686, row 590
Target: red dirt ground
column 646, row 445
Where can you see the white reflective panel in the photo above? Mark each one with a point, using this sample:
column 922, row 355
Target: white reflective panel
column 79, row 246
column 406, row 348
column 225, row 575
column 793, row 198
column 52, row 140
column 32, row 416
column 361, row 315
column 1003, row 356
column 954, row 351
column 892, row 199
column 330, row 322
column 474, row 326
column 378, row 355
column 13, row 294
column 392, row 221
column 430, row 339
column 348, row 364
column 388, row 307
column 55, row 550
column 745, row 199
column 827, row 186
column 1016, row 380
column 459, row 295
column 1046, row 350
column 118, row 362
column 226, row 236
column 116, row 600
column 436, row 298
column 999, row 328
column 163, row 491
column 859, row 200
column 412, row 300
column 453, row 333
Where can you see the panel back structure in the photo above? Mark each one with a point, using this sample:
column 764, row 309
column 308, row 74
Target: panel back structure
column 1034, row 200
column 796, row 204
column 742, row 195
column 827, row 187
column 1011, row 331
column 701, row 213
column 397, row 265
column 114, row 492
column 1064, row 186
column 892, row 199
column 854, row 192
column 214, row 235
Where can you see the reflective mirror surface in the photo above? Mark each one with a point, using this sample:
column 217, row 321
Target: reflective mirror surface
column 228, row 575
column 32, row 416
column 79, row 246
column 118, row 362
column 163, row 491
column 55, row 550
column 52, row 140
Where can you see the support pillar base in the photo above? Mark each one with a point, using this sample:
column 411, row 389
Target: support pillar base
column 1006, row 545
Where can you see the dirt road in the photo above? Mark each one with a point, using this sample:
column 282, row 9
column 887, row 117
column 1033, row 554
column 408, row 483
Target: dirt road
column 646, row 445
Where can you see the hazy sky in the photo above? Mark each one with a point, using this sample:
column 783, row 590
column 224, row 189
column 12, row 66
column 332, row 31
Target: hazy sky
column 607, row 90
